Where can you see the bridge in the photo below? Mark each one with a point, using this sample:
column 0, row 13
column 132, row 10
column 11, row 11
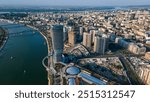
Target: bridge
column 12, row 26
column 50, row 64
column 28, row 32
column 8, row 24
column 20, row 33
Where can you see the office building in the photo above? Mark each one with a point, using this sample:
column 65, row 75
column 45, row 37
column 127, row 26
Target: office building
column 136, row 48
column 57, row 42
column 144, row 74
column 87, row 39
column 65, row 33
column 94, row 33
column 71, row 36
column 147, row 56
column 147, row 36
column 81, row 31
column 100, row 44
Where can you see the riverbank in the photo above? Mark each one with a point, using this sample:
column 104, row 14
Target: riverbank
column 42, row 35
column 4, row 39
column 50, row 77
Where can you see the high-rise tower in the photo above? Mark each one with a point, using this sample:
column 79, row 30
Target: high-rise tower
column 71, row 36
column 87, row 39
column 57, row 42
column 100, row 44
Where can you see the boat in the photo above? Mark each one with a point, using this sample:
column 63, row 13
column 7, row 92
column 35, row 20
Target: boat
column 44, row 43
column 24, row 71
column 11, row 57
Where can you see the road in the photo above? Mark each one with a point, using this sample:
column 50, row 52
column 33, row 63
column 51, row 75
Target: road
column 113, row 55
column 130, row 73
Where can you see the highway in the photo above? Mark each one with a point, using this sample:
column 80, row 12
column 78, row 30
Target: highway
column 112, row 55
column 49, row 67
column 129, row 72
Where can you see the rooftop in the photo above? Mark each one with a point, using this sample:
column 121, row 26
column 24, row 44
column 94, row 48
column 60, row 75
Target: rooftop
column 72, row 70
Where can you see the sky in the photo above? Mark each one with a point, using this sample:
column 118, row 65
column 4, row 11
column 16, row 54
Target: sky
column 75, row 2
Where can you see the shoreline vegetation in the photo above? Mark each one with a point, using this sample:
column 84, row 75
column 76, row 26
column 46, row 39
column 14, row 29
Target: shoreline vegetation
column 3, row 37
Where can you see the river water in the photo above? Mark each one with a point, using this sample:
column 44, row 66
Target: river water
column 21, row 58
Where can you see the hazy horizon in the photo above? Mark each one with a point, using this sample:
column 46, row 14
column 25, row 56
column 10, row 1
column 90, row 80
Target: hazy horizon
column 74, row 2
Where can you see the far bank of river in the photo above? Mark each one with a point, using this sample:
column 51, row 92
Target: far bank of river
column 3, row 37
column 21, row 58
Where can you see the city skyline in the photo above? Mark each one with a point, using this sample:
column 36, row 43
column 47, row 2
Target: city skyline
column 63, row 44
column 76, row 2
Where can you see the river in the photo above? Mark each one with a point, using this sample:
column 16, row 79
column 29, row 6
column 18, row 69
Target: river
column 21, row 58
